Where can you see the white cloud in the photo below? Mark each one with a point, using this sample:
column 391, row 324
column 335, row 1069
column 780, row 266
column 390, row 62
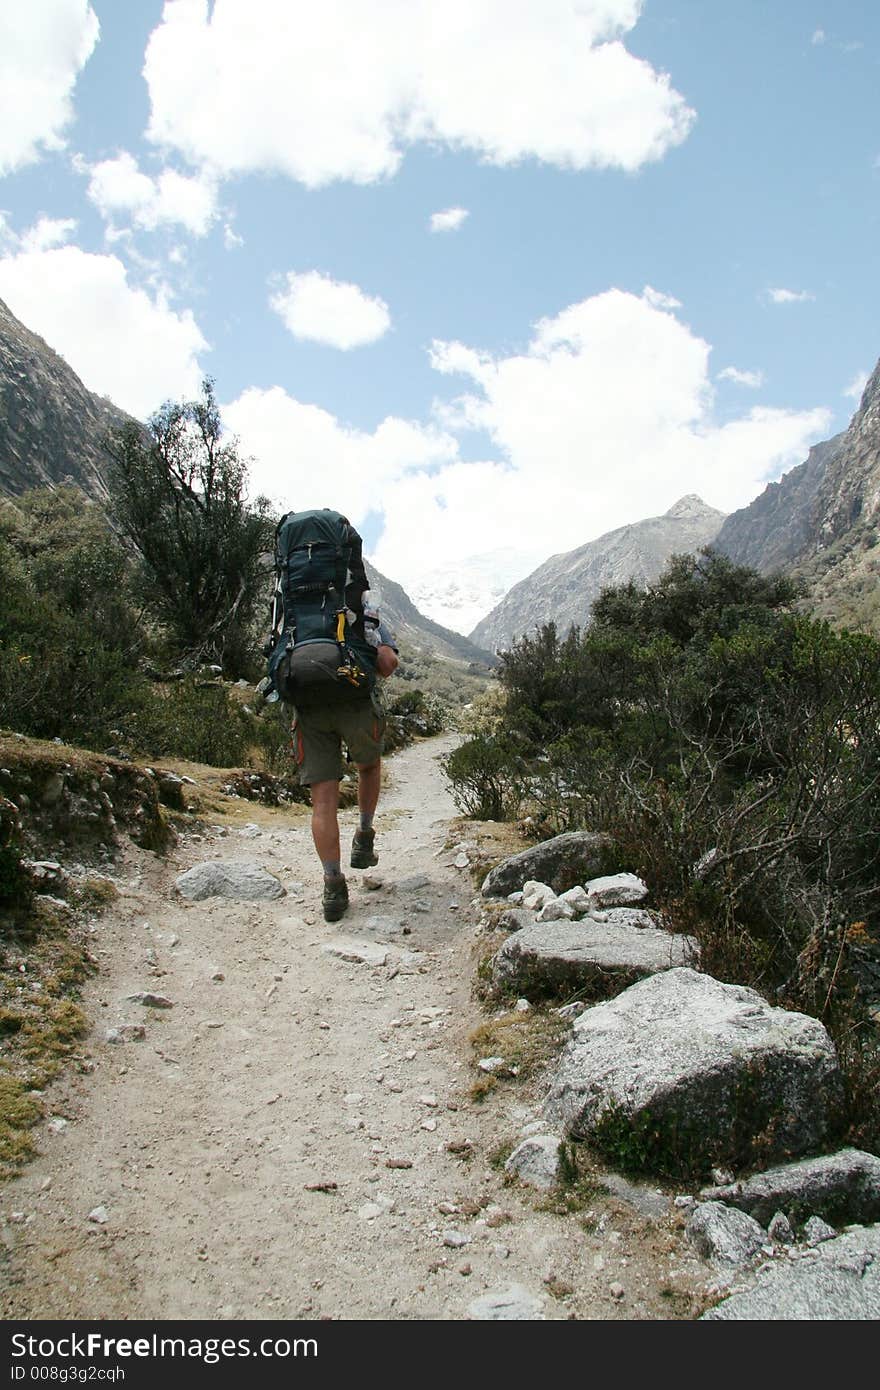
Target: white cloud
column 449, row 220
column 741, row 378
column 789, row 296
column 856, row 386
column 818, row 36
column 304, row 457
column 117, row 187
column 48, row 232
column 43, row 47
column 658, row 300
column 341, row 91
column 605, row 418
column 121, row 341
column 334, row 312
column 231, row 239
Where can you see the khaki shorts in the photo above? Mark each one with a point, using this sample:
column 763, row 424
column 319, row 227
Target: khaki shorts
column 318, row 733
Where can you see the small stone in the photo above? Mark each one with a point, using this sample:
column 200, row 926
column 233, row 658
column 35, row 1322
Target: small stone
column 722, row 1177
column 817, row 1231
column 522, row 1006
column 456, row 1240
column 56, row 1124
column 398, row 1163
column 490, row 1064
column 684, row 1202
column 429, row 1125
column 513, row 1304
column 429, row 1100
column 780, row 1230
column 461, row 861
column 616, row 1290
column 369, row 1211
column 465, row 1270
column 99, row 1215
column 321, row 1185
column 150, row 1000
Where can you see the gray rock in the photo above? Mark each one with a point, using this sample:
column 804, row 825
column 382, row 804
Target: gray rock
column 615, row 890
column 838, row 1281
column 648, row 1201
column 150, row 1000
column 578, row 899
column 535, row 894
column 550, row 956
column 358, row 952
column 842, row 1187
column 536, row 1161
column 241, row 880
column 455, row 1240
column 780, row 1230
column 126, row 1032
column 99, row 1215
column 512, row 1304
column 413, row 883
column 817, row 1231
column 725, row 1235
column 707, row 1072
column 562, row 862
column 635, row 917
column 555, row 910
column 515, row 918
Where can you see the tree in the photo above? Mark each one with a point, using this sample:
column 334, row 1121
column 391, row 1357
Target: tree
column 179, row 494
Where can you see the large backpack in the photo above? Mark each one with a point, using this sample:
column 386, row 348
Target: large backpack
column 319, row 650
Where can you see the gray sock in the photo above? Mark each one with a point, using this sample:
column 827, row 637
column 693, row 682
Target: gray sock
column 366, row 821
column 332, row 868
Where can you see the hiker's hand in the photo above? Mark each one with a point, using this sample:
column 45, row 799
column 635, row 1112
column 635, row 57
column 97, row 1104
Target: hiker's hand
column 386, row 661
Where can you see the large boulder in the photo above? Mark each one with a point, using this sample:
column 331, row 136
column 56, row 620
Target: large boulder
column 553, row 956
column 219, row 878
column 681, row 1072
column 562, row 862
column 843, row 1187
column 839, row 1281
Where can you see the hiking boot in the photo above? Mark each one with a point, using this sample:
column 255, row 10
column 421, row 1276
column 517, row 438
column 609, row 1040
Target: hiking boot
column 335, row 898
column 363, row 856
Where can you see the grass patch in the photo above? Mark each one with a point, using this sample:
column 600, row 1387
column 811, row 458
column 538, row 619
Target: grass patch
column 526, row 1041
column 578, row 1184
column 43, row 961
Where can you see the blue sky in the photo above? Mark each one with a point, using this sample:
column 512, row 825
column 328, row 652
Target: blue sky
column 653, row 270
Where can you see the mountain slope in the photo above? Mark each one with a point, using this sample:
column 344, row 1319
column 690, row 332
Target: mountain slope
column 822, row 522
column 51, row 427
column 413, row 628
column 564, row 587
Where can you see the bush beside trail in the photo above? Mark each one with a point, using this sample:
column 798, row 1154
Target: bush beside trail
column 731, row 745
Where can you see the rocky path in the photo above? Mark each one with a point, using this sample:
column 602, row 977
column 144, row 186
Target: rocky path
column 294, row 1137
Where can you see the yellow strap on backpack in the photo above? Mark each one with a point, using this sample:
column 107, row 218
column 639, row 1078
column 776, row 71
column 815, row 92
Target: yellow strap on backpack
column 340, row 625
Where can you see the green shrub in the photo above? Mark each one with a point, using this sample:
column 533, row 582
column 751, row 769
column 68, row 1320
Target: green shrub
column 485, row 778
column 191, row 719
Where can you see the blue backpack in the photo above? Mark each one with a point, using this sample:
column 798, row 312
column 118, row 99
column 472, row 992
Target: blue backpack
column 320, row 648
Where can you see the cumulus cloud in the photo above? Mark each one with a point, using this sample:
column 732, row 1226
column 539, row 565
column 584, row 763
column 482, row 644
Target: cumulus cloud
column 303, row 456
column 856, row 386
column 231, row 238
column 341, row 91
column 658, row 300
column 48, row 232
column 818, row 36
column 449, row 220
column 334, row 312
column 122, row 342
column 43, row 48
column 117, row 187
column 604, row 418
column 741, row 378
column 789, row 296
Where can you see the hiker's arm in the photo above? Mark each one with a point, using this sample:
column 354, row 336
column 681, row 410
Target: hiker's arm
column 386, row 660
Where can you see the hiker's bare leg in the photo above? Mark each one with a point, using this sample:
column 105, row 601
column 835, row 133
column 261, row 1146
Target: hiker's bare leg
column 369, row 784
column 325, row 823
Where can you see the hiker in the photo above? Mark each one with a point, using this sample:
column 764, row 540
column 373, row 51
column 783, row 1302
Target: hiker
column 325, row 663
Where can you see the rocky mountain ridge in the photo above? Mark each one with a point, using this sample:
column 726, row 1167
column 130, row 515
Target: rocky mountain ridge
column 820, row 521
column 52, row 427
column 563, row 589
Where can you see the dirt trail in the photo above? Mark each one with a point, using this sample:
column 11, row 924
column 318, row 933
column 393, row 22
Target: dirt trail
column 281, row 1066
